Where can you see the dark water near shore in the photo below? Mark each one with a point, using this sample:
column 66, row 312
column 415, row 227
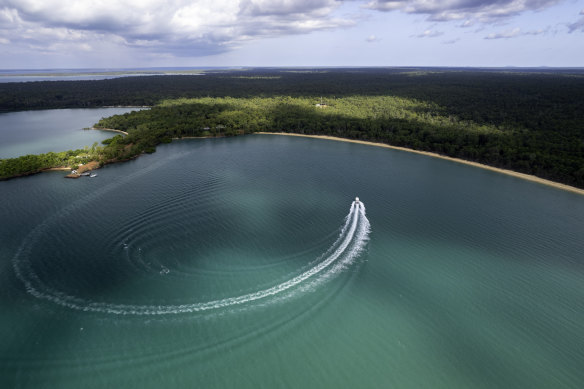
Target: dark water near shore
column 241, row 262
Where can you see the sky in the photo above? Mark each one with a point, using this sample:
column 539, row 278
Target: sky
column 44, row 34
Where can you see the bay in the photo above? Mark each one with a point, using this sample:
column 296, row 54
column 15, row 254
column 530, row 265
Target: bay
column 201, row 265
column 37, row 132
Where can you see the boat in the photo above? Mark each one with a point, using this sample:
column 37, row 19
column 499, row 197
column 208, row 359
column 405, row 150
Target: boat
column 357, row 200
column 85, row 174
column 93, row 175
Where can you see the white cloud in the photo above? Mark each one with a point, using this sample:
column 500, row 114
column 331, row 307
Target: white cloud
column 515, row 33
column 199, row 27
column 428, row 34
column 195, row 28
column 286, row 7
column 446, row 10
column 8, row 16
column 505, row 34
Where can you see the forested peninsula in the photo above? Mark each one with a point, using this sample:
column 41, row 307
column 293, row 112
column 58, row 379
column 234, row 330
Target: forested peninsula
column 530, row 122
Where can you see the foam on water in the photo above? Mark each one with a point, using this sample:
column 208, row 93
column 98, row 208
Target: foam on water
column 344, row 251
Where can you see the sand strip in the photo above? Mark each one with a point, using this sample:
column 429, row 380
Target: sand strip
column 199, row 137
column 109, row 129
column 435, row 155
column 56, row 169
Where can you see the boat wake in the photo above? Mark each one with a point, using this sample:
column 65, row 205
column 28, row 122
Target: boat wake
column 344, row 251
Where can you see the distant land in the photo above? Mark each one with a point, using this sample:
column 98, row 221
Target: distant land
column 529, row 120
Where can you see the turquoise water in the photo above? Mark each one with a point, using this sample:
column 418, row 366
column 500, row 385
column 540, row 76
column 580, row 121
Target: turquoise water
column 243, row 262
column 37, row 132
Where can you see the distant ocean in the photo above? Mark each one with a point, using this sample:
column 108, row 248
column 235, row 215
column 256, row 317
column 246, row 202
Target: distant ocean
column 28, row 75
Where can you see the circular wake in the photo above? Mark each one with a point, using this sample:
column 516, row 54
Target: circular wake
column 351, row 241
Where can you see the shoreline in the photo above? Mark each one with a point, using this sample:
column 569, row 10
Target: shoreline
column 109, row 130
column 94, row 165
column 127, row 106
column 56, row 169
column 199, row 137
column 524, row 176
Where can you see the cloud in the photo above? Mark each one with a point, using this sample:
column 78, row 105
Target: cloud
column 577, row 25
column 505, row 34
column 515, row 33
column 181, row 27
column 196, row 28
column 451, row 41
column 446, row 10
column 428, row 34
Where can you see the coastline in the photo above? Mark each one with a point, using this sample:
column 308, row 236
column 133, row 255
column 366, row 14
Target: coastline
column 109, row 129
column 92, row 165
column 199, row 137
column 512, row 173
column 127, row 106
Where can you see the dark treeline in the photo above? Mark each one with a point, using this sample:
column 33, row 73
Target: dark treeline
column 527, row 121
column 540, row 101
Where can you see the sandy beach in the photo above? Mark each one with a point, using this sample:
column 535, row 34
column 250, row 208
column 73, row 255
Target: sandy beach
column 523, row 176
column 199, row 137
column 109, row 129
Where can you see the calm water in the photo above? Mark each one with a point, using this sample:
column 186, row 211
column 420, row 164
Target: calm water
column 36, row 132
column 242, row 262
column 31, row 75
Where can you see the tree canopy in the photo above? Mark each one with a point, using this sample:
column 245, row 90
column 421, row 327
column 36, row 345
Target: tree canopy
column 532, row 122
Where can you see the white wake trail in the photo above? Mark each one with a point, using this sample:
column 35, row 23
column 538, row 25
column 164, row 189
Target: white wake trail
column 352, row 239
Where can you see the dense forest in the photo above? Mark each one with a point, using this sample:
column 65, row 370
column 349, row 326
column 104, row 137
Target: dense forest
column 30, row 164
column 526, row 121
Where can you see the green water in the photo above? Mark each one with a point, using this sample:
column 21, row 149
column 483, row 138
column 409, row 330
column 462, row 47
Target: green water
column 242, row 262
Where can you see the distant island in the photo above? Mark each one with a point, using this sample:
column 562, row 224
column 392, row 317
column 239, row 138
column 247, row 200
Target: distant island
column 530, row 122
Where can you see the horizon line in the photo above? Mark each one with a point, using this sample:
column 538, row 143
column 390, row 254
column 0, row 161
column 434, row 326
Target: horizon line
column 296, row 67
